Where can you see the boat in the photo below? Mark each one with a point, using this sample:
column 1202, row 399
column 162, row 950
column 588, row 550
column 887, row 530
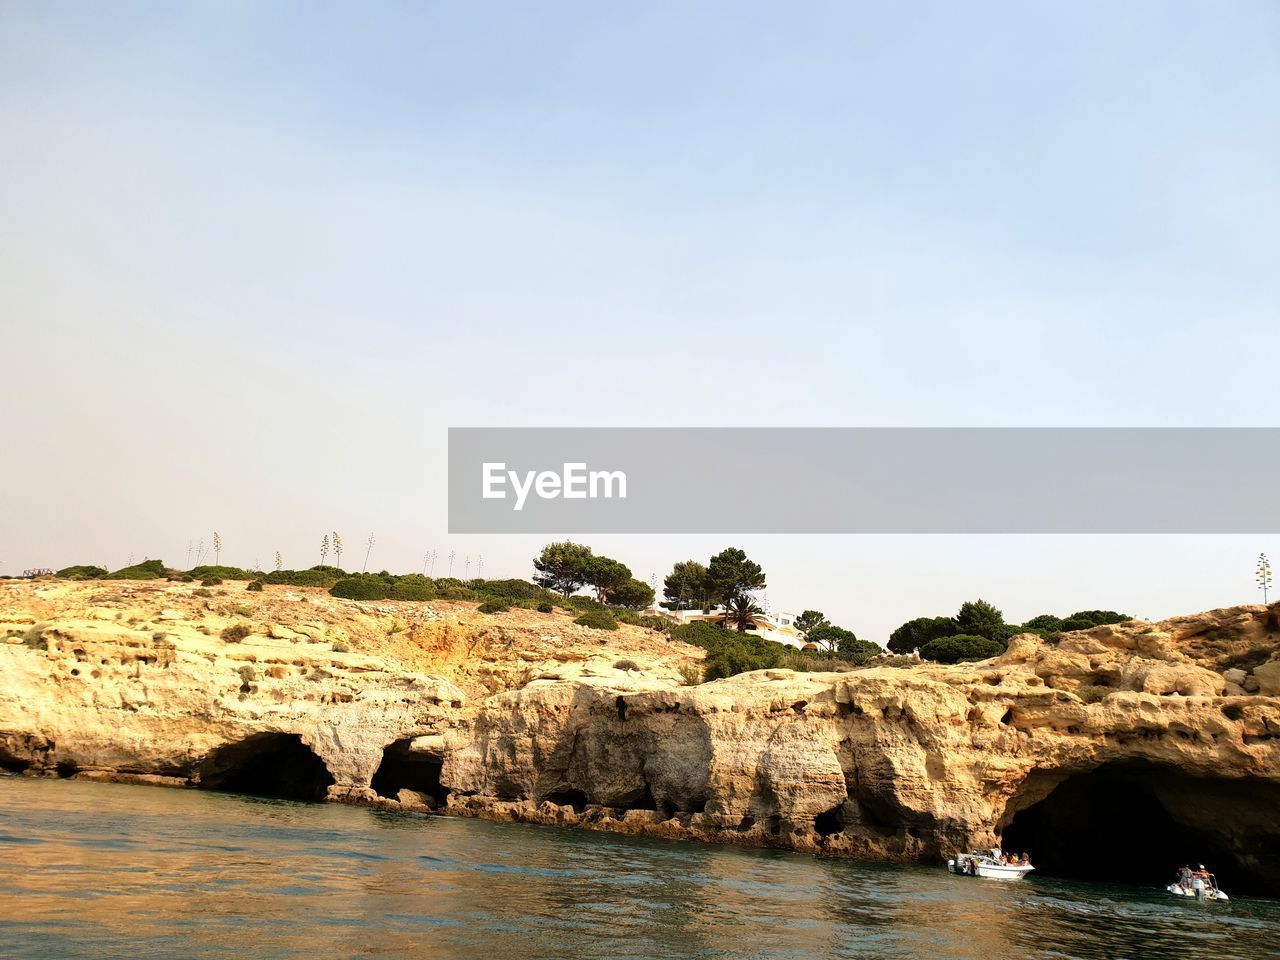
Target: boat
column 990, row 865
column 1199, row 884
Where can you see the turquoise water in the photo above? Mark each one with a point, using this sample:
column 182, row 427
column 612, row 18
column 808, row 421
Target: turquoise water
column 102, row 870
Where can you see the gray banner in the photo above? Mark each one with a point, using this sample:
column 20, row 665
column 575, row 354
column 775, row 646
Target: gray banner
column 864, row 480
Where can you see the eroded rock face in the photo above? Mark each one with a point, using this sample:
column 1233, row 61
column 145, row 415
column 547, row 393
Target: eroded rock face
column 433, row 707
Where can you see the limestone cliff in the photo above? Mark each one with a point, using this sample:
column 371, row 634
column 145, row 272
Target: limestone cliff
column 1141, row 735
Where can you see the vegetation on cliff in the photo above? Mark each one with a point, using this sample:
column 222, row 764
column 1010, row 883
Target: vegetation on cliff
column 978, row 631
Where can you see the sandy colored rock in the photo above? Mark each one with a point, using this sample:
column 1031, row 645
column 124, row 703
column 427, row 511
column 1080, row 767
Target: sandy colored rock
column 526, row 717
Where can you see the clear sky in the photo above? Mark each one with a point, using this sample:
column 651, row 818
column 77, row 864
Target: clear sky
column 255, row 258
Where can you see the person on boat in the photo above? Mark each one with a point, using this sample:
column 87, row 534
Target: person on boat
column 1026, row 859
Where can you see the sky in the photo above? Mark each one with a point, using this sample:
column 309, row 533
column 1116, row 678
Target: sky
column 256, row 258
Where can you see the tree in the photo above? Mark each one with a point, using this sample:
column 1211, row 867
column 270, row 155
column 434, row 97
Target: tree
column 1264, row 576
column 337, row 549
column 980, row 619
column 808, row 621
column 685, row 587
column 217, row 547
column 961, row 647
column 1043, row 624
column 741, row 611
column 1088, row 619
column 634, row 594
column 914, row 634
column 562, row 566
column 830, row 637
column 605, row 575
column 730, row 574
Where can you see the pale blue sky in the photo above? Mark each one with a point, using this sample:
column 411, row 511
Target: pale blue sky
column 255, row 258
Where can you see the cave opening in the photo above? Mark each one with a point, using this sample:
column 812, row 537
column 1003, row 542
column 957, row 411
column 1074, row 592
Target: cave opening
column 404, row 768
column 830, row 821
column 1136, row 823
column 571, row 797
column 277, row 765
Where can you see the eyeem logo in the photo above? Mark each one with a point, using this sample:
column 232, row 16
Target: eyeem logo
column 574, row 482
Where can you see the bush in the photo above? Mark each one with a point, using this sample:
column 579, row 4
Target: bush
column 597, row 620
column 961, row 647
column 413, row 586
column 255, row 585
column 221, row 573
column 509, row 589
column 494, row 606
column 1088, row 619
column 1043, row 625
column 914, row 634
column 146, row 570
column 235, row 633
column 363, row 586
column 744, row 657
column 546, row 608
column 81, row 572
column 211, row 582
column 729, row 652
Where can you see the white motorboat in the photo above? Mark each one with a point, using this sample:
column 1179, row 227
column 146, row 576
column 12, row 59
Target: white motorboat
column 990, row 865
column 1198, row 884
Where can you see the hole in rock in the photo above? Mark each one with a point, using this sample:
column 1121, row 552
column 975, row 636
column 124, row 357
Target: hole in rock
column 404, row 768
column 267, row 765
column 638, row 799
column 66, row 768
column 574, row 798
column 622, row 708
column 832, row 821
column 1136, row 823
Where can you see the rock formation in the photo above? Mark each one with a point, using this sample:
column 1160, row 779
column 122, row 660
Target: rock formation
column 1107, row 753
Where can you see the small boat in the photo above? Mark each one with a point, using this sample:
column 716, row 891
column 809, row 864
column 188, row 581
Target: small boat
column 1199, row 884
column 990, row 865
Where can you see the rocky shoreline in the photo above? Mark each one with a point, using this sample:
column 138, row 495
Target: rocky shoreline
column 526, row 717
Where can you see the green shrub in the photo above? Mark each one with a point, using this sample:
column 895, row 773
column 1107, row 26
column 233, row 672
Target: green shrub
column 961, row 647
column 914, row 634
column 597, row 620
column 546, row 608
column 235, row 633
column 209, row 572
column 82, row 572
column 1043, row 625
column 363, row 586
column 412, row 586
column 701, row 634
column 509, row 589
column 146, row 570
column 255, row 585
column 494, row 606
column 211, row 582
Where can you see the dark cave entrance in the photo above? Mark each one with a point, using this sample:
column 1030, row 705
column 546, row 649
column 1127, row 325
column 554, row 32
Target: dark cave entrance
column 268, row 765
column 404, row 768
column 1136, row 823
